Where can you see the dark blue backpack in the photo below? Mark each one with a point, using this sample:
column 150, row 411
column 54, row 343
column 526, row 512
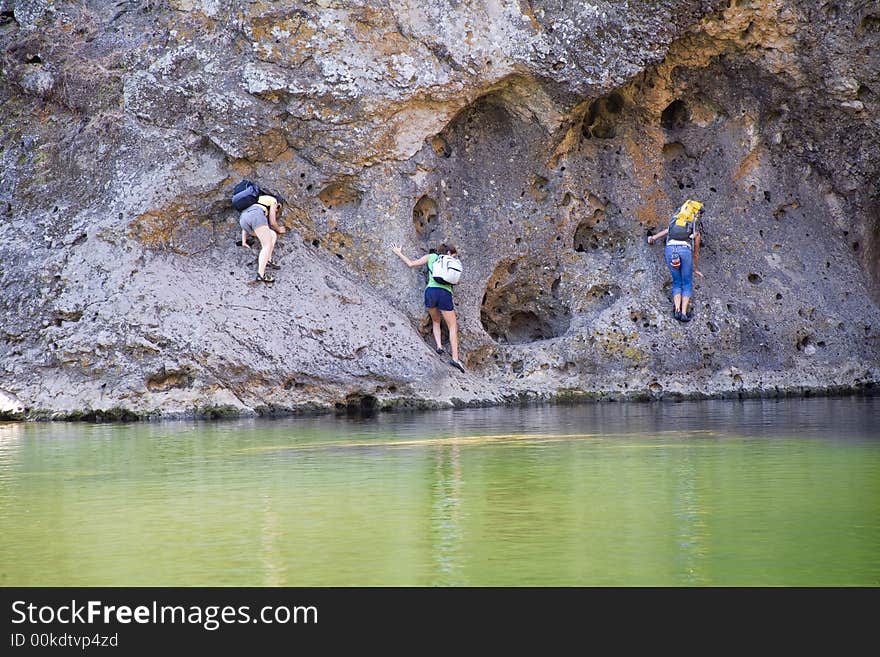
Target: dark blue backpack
column 245, row 194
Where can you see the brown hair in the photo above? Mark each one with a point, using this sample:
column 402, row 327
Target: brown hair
column 447, row 248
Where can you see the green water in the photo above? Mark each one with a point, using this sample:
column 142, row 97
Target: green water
column 710, row 493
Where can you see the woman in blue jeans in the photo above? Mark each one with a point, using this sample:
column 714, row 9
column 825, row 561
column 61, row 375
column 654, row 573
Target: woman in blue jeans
column 682, row 254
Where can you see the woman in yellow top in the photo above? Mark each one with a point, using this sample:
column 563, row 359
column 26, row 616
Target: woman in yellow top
column 438, row 300
column 255, row 220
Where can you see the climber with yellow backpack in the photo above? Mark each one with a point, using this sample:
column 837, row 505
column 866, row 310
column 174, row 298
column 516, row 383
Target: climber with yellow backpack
column 682, row 254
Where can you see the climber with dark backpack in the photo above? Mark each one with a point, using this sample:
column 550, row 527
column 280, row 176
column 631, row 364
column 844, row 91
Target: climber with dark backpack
column 245, row 194
column 258, row 217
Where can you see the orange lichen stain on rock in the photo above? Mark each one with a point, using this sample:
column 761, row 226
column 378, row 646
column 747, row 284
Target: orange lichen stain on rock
column 357, row 251
column 566, row 145
column 43, row 114
column 337, row 241
column 401, row 127
column 377, row 29
column 389, row 43
column 526, row 10
column 643, row 166
column 365, row 16
column 349, row 247
column 287, row 39
column 749, row 163
column 243, row 168
column 654, row 209
column 200, row 21
column 286, row 156
column 298, row 219
column 270, row 28
column 155, row 229
column 270, row 145
column 655, row 206
column 340, row 192
column 384, row 140
column 479, row 356
column 573, row 136
column 274, row 97
column 163, row 381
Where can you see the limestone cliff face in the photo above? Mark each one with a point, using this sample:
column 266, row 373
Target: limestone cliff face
column 544, row 138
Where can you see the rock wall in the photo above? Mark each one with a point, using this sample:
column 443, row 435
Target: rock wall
column 545, row 139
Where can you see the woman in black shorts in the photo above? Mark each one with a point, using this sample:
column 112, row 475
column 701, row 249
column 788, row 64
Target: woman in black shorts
column 438, row 300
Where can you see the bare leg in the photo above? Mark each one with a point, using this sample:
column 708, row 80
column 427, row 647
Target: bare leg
column 452, row 325
column 267, row 239
column 677, row 300
column 685, row 301
column 435, row 326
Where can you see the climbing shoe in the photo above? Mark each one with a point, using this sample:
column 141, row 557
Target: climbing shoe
column 457, row 364
column 677, row 315
column 684, row 318
column 440, row 351
column 265, row 278
column 273, row 265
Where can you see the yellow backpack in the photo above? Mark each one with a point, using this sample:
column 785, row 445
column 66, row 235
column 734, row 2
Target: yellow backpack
column 682, row 224
column 688, row 212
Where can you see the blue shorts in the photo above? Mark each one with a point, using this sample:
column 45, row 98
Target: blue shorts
column 437, row 297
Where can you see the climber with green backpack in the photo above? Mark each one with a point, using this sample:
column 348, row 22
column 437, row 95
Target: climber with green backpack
column 682, row 254
column 444, row 271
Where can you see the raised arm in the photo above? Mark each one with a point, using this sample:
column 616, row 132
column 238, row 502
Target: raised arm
column 409, row 263
column 654, row 238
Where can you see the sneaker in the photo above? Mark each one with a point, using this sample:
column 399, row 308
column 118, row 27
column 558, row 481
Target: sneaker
column 684, row 318
column 457, row 364
column 677, row 315
column 273, row 265
column 265, row 278
column 440, row 351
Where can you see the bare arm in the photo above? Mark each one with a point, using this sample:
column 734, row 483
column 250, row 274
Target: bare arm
column 274, row 212
column 697, row 254
column 654, row 238
column 409, row 263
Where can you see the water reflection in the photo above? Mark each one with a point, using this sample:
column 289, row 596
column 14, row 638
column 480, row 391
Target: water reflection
column 271, row 538
column 446, row 529
column 724, row 493
column 689, row 511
